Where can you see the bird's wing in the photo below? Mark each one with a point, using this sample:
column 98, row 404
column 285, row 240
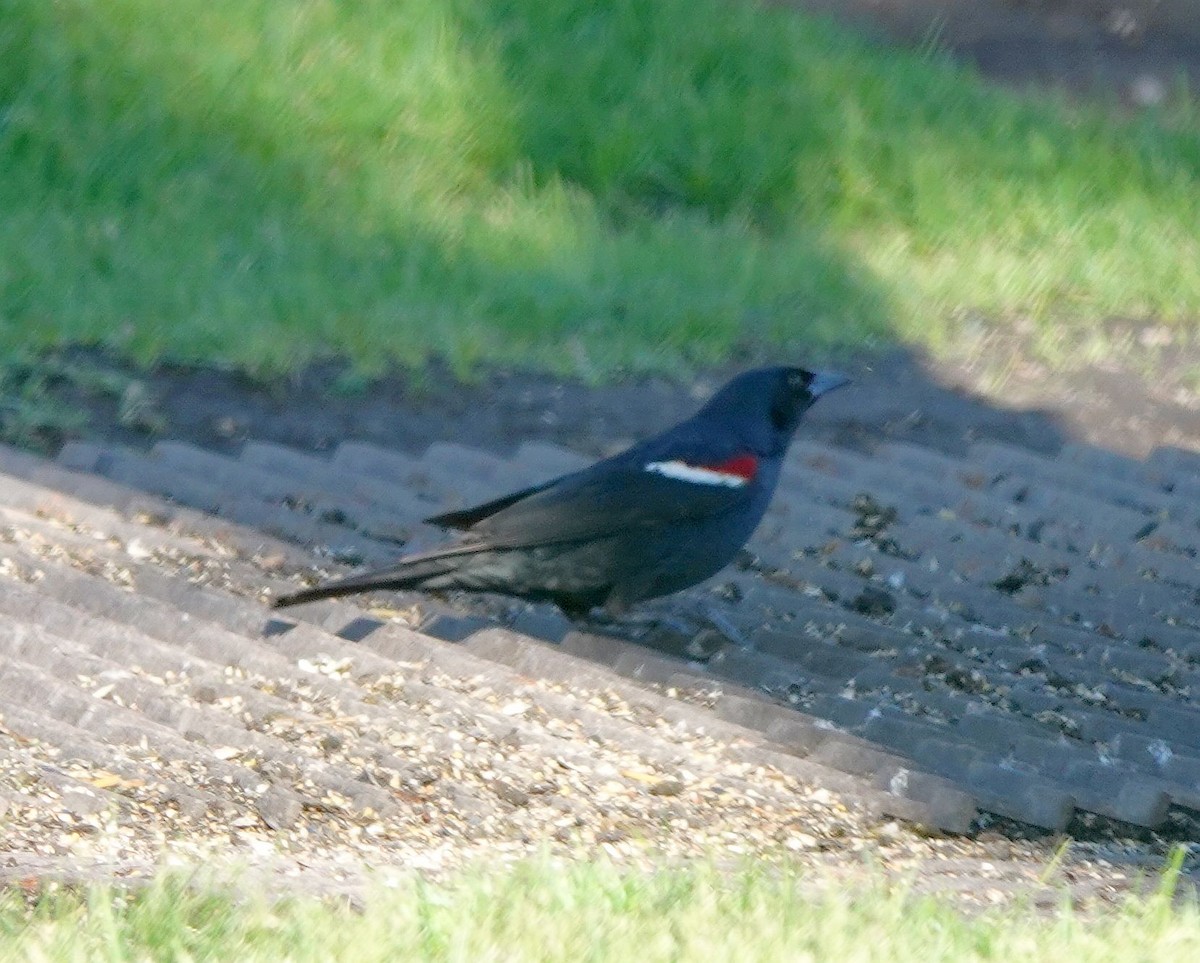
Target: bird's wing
column 646, row 487
column 463, row 518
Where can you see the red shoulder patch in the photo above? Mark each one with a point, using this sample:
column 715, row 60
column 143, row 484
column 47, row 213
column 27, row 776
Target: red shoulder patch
column 743, row 466
column 732, row 472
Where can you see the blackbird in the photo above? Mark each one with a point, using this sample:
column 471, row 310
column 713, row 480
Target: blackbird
column 659, row 517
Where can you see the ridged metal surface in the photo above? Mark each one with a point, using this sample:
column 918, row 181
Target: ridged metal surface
column 1003, row 633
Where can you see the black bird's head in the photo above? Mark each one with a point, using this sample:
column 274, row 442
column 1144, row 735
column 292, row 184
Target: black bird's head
column 767, row 403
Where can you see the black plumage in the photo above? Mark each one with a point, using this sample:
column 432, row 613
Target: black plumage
column 663, row 515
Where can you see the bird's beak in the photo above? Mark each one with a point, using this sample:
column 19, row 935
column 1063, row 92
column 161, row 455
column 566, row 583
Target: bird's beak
column 824, row 382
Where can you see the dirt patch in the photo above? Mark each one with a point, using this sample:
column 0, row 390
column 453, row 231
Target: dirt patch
column 1134, row 51
column 997, row 392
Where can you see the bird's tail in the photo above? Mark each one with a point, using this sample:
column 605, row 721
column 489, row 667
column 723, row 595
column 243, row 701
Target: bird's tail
column 406, row 574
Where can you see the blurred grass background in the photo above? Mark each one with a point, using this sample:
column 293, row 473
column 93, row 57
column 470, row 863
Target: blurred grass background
column 587, row 188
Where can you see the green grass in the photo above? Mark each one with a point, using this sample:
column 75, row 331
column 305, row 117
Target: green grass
column 589, row 187
column 587, row 913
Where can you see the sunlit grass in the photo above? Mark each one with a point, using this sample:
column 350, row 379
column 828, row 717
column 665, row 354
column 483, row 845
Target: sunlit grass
column 591, row 912
column 586, row 187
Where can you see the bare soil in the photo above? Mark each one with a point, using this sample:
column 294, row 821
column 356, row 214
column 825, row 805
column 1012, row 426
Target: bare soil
column 1131, row 51
column 1130, row 402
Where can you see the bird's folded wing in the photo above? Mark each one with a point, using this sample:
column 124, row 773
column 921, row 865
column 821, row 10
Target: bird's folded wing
column 463, row 518
column 588, row 506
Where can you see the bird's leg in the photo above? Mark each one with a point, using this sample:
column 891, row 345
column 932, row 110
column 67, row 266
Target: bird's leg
column 721, row 624
column 707, row 622
column 677, row 632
